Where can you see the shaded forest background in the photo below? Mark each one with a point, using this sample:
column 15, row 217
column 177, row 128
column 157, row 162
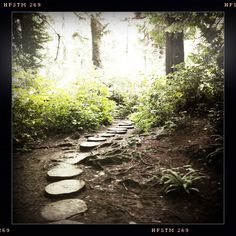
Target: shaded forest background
column 68, row 79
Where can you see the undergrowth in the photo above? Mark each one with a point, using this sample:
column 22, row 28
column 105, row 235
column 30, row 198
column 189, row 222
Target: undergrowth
column 180, row 179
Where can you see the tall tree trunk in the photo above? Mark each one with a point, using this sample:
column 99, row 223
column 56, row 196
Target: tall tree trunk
column 96, row 40
column 23, row 31
column 27, row 33
column 174, row 50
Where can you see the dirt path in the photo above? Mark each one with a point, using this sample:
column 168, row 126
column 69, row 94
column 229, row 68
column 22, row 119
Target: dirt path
column 121, row 179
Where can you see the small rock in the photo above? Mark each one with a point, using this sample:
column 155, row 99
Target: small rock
column 101, row 173
column 132, row 222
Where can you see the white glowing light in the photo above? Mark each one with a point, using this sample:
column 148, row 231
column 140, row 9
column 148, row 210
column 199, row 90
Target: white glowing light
column 122, row 53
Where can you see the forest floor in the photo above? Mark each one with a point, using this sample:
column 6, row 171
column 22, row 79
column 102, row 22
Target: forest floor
column 124, row 190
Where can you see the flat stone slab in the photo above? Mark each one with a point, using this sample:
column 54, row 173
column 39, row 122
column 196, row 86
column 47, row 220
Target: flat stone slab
column 64, row 187
column 117, row 131
column 74, row 158
column 63, row 209
column 85, row 146
column 66, row 222
column 64, row 171
column 96, row 139
column 125, row 123
column 106, row 135
column 128, row 126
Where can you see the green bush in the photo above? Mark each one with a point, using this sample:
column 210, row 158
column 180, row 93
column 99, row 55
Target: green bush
column 195, row 90
column 126, row 92
column 127, row 107
column 41, row 108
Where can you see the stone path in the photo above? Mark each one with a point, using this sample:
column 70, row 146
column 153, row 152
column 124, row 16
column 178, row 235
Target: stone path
column 58, row 212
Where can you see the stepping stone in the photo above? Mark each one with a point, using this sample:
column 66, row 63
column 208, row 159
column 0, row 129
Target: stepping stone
column 75, row 158
column 68, row 222
column 96, row 139
column 63, row 209
column 126, row 123
column 64, row 171
column 127, row 126
column 86, row 146
column 117, row 132
column 116, row 129
column 106, row 135
column 64, row 187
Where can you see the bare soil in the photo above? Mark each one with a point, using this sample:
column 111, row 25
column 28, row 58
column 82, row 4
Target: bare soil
column 125, row 189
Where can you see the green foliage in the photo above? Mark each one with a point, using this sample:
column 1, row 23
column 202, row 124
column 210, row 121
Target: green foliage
column 127, row 106
column 180, row 179
column 126, row 92
column 210, row 24
column 192, row 90
column 41, row 108
column 215, row 157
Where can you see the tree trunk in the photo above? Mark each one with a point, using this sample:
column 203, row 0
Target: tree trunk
column 27, row 32
column 174, row 50
column 23, row 31
column 96, row 40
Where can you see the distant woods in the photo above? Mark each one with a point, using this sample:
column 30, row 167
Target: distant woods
column 76, row 71
column 170, row 30
column 29, row 35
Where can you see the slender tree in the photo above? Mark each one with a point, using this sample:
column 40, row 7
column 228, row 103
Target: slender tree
column 174, row 46
column 96, row 40
column 164, row 33
column 97, row 31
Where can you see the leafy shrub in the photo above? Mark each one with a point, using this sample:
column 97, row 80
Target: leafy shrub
column 127, row 107
column 180, row 179
column 41, row 108
column 215, row 156
column 157, row 106
column 126, row 92
column 193, row 90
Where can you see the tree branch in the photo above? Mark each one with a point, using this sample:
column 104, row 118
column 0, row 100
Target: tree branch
column 58, row 36
column 58, row 45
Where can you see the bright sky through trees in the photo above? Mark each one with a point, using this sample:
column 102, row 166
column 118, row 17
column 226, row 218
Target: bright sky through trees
column 122, row 51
